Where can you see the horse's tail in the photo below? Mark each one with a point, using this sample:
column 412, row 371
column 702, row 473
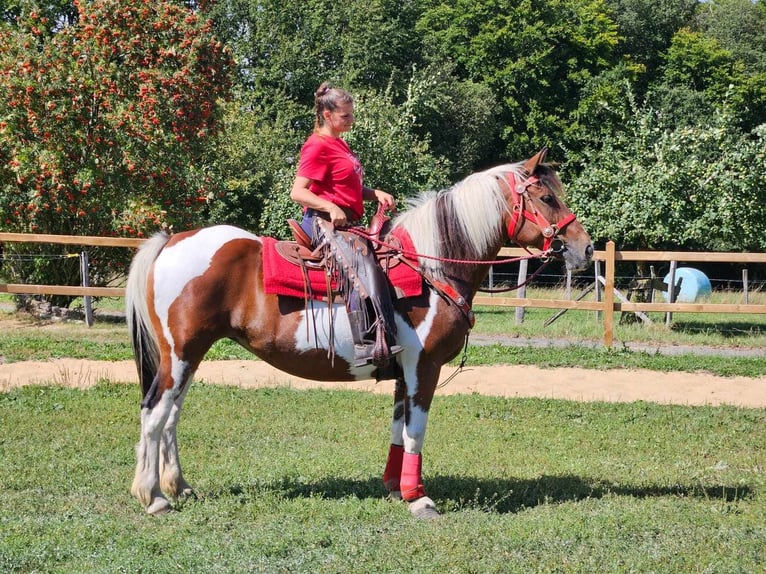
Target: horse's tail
column 142, row 335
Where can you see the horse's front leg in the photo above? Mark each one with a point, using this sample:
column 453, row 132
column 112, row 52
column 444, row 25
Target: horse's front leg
column 403, row 473
column 393, row 472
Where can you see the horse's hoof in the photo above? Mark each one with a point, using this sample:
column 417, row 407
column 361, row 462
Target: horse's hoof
column 188, row 494
column 424, row 509
column 159, row 506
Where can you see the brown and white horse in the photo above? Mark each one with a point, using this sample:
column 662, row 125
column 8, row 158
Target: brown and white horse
column 187, row 291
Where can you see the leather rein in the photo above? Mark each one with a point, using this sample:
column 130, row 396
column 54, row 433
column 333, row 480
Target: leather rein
column 523, row 209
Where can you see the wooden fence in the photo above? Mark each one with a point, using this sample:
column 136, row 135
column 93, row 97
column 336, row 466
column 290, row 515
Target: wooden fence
column 606, row 300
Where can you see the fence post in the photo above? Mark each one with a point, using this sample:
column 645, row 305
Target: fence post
column 671, row 290
column 84, row 278
column 597, row 271
column 745, row 289
column 609, row 296
column 522, row 292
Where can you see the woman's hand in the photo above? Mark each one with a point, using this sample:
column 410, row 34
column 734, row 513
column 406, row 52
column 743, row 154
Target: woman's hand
column 337, row 216
column 307, row 198
column 383, row 198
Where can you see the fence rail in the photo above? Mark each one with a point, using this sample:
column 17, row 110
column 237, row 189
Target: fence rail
column 604, row 304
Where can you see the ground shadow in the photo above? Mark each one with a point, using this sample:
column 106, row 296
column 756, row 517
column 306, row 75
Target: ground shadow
column 726, row 329
column 495, row 495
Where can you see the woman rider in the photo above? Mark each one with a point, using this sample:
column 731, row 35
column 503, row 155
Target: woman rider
column 330, row 185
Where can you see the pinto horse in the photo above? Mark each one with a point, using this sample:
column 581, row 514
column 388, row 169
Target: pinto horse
column 186, row 291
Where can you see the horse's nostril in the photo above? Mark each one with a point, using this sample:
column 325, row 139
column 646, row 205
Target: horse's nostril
column 589, row 251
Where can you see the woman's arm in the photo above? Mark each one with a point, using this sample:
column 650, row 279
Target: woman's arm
column 301, row 194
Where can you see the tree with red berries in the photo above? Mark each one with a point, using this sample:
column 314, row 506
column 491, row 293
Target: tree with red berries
column 107, row 125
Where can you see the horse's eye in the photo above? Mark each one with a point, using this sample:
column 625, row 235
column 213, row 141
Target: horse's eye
column 548, row 199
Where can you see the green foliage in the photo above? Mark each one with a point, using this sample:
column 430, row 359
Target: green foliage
column 698, row 61
column 105, row 125
column 286, row 49
column 255, row 165
column 739, row 26
column 654, row 187
column 53, row 13
column 457, row 117
column 533, row 56
column 646, row 28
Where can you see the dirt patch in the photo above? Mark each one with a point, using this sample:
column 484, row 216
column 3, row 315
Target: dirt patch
column 625, row 385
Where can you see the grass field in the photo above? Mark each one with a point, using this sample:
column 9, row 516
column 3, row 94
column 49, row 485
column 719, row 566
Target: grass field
column 289, row 481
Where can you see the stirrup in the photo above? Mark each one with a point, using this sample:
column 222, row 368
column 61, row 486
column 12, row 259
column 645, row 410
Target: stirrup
column 365, row 354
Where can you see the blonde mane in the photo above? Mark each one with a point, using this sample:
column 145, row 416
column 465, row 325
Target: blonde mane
column 462, row 222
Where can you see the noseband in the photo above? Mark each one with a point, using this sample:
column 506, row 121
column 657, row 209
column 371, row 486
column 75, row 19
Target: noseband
column 522, row 210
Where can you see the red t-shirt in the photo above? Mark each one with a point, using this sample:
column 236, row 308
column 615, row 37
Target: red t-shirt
column 334, row 171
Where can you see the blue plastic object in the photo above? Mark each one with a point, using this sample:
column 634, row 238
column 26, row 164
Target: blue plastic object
column 695, row 285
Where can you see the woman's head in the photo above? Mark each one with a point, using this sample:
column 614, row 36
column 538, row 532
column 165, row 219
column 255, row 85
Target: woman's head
column 334, row 108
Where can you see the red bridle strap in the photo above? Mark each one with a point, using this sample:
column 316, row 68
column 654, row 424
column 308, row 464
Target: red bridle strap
column 520, row 192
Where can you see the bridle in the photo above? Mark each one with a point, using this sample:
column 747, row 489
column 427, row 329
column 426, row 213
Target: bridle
column 524, row 209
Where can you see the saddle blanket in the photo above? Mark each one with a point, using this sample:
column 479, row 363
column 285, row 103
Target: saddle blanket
column 280, row 277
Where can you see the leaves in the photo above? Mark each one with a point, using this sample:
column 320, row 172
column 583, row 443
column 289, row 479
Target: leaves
column 106, row 114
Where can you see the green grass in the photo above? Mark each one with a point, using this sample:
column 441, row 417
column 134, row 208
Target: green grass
column 289, row 481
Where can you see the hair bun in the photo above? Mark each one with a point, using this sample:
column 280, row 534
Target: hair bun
column 323, row 89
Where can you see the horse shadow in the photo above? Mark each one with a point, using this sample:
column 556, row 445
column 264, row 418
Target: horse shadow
column 501, row 496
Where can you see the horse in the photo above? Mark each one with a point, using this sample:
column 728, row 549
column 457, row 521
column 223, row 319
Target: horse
column 188, row 290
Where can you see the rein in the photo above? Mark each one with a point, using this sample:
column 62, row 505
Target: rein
column 361, row 232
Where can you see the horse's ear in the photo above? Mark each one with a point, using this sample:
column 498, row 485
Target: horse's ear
column 531, row 164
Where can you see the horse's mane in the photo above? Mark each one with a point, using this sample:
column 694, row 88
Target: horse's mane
column 461, row 222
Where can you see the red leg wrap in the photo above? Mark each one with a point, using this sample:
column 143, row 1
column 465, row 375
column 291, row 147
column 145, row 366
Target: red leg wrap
column 412, row 481
column 393, row 471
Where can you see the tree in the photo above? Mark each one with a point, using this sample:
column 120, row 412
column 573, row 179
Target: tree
column 535, row 57
column 105, row 124
column 53, row 14
column 286, row 48
column 646, row 28
column 284, row 51
column 654, row 186
column 739, row 26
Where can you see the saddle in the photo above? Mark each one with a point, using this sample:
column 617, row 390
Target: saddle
column 299, row 251
column 358, row 271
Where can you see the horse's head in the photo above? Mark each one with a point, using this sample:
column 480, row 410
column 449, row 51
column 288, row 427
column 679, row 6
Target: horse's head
column 539, row 218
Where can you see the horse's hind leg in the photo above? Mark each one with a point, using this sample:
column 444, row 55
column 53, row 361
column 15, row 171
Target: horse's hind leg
column 156, row 410
column 172, row 482
column 146, row 482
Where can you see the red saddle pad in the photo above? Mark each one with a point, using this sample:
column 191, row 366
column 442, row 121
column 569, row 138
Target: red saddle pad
column 281, row 277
